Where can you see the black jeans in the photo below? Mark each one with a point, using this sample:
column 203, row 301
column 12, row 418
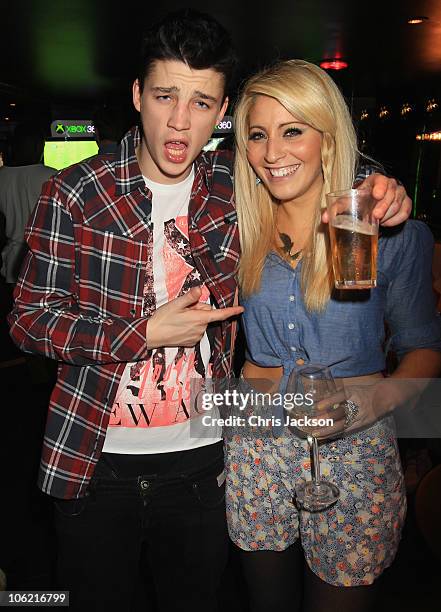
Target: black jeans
column 172, row 503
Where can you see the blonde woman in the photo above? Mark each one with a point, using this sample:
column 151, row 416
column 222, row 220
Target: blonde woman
column 295, row 143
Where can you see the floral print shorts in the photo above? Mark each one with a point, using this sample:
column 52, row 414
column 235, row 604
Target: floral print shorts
column 348, row 544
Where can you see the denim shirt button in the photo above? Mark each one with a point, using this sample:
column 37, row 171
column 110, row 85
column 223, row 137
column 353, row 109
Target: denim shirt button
column 291, row 325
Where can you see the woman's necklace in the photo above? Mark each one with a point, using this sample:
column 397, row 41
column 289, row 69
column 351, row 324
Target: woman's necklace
column 285, row 251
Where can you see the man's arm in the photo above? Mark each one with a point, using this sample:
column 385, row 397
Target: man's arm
column 393, row 204
column 46, row 318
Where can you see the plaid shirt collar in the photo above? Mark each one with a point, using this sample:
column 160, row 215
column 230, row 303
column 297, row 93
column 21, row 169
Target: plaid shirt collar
column 128, row 176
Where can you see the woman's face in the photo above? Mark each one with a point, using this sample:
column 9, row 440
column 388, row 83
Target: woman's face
column 283, row 152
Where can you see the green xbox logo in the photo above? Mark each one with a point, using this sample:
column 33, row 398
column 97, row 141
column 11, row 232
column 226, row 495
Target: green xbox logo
column 73, row 129
column 82, row 128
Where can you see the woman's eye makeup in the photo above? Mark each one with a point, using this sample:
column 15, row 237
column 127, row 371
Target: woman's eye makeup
column 293, row 131
column 256, row 135
column 289, row 132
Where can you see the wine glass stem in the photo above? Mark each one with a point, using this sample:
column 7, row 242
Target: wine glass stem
column 315, row 459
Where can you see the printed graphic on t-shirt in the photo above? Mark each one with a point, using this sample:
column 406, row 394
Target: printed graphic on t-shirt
column 156, row 392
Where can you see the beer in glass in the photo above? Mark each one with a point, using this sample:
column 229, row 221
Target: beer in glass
column 354, row 238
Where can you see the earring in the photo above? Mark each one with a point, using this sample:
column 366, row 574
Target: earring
column 258, row 180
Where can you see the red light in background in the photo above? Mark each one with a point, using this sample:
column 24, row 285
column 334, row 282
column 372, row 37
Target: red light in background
column 333, row 64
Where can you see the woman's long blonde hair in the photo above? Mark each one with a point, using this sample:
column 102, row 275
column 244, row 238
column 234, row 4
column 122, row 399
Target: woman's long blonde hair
column 309, row 94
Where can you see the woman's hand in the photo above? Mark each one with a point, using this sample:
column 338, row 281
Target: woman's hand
column 360, row 406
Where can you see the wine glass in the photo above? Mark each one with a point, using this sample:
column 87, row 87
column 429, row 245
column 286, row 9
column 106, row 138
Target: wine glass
column 316, row 383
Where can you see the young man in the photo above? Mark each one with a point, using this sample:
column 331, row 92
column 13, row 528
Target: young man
column 128, row 256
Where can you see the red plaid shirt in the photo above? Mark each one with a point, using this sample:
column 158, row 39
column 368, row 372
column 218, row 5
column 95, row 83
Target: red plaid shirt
column 80, row 294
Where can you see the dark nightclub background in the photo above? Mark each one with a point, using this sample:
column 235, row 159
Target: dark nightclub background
column 60, row 61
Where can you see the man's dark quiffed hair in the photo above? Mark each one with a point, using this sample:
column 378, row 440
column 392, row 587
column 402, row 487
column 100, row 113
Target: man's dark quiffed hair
column 194, row 38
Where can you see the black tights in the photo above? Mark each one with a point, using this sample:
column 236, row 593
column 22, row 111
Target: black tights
column 283, row 581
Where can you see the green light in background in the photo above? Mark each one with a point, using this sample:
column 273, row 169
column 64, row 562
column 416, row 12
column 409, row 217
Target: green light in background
column 64, row 44
column 60, row 154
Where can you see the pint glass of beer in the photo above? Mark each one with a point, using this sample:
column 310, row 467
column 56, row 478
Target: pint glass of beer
column 354, row 238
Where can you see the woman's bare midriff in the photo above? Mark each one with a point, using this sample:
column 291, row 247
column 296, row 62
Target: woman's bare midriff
column 268, row 379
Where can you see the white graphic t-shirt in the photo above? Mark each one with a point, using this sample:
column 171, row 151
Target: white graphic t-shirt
column 151, row 412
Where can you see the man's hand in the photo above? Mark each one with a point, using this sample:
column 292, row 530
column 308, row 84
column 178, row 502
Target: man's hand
column 393, row 204
column 183, row 321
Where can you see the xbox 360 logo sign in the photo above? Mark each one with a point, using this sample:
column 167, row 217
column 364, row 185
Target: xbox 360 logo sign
column 82, row 128
column 225, row 126
column 73, row 129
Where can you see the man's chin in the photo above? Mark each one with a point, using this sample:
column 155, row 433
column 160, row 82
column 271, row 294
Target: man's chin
column 175, row 172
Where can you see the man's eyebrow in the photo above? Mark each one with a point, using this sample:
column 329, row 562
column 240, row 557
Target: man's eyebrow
column 174, row 89
column 165, row 90
column 204, row 96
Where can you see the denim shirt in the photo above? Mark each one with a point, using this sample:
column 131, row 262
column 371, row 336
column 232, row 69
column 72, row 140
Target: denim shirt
column 280, row 331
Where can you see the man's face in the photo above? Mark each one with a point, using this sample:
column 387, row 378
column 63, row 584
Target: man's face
column 179, row 108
